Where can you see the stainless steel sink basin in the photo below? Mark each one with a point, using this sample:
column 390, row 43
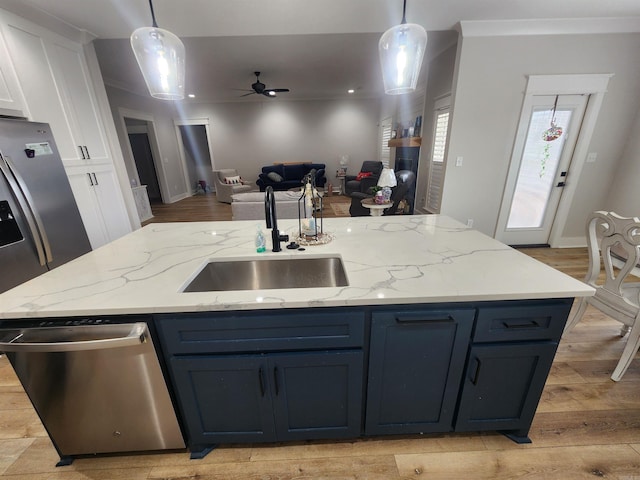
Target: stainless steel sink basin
column 269, row 273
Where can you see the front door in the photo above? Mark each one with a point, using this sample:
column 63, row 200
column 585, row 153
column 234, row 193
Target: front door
column 542, row 158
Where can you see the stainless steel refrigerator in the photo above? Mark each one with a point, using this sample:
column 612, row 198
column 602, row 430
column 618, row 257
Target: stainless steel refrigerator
column 40, row 225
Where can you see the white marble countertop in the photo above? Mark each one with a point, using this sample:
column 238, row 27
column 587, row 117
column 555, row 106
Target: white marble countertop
column 388, row 260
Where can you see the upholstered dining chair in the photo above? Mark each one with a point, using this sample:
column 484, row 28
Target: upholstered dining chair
column 614, row 242
column 228, row 182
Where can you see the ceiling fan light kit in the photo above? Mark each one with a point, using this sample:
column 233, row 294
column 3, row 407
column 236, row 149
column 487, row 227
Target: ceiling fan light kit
column 261, row 89
column 401, row 50
column 160, row 55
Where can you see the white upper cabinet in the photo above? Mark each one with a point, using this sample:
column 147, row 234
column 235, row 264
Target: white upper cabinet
column 75, row 87
column 57, row 89
column 11, row 100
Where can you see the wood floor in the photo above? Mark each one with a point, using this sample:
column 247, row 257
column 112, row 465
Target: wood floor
column 586, row 426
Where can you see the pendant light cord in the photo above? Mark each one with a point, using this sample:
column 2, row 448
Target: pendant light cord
column 153, row 15
column 404, row 10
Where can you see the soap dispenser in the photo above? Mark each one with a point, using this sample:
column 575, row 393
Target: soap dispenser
column 260, row 242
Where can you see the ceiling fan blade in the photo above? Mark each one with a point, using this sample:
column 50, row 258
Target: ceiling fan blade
column 246, row 94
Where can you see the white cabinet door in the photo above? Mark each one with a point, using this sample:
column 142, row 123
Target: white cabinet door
column 71, row 72
column 31, row 62
column 11, row 100
column 100, row 203
column 82, row 185
column 112, row 207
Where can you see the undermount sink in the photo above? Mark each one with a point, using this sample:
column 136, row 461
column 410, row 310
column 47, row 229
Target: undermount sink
column 269, row 273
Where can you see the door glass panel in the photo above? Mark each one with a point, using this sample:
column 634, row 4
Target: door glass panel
column 538, row 169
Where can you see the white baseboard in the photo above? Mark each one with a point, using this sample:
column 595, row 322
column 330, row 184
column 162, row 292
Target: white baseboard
column 571, row 242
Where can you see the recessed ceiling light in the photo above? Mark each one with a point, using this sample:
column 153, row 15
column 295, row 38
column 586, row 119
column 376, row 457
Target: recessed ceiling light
column 191, row 95
column 351, row 90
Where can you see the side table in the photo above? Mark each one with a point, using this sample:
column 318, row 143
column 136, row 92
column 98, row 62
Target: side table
column 375, row 209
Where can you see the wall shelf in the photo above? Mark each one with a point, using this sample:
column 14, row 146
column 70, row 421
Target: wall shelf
column 405, row 142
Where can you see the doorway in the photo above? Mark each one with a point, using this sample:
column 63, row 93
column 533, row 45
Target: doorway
column 194, row 142
column 144, row 164
column 138, row 134
column 559, row 163
column 550, row 132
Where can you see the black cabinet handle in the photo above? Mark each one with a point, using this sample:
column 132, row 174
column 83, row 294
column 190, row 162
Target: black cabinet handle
column 95, row 179
column 82, row 152
column 561, row 184
column 261, row 381
column 476, row 373
column 436, row 316
column 87, row 151
column 90, row 179
column 529, row 324
column 275, row 379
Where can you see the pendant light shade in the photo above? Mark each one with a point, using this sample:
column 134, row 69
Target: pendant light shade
column 160, row 55
column 401, row 50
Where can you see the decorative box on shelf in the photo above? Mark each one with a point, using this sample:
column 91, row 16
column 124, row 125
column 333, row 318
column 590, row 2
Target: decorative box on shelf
column 405, row 142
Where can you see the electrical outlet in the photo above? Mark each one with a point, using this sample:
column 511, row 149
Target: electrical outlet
column 459, row 161
column 470, row 222
column 591, row 157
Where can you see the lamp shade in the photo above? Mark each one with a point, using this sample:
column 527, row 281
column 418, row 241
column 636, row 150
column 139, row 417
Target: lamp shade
column 387, row 178
column 401, row 50
column 160, row 55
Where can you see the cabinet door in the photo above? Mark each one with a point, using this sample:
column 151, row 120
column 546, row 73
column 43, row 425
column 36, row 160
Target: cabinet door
column 415, row 367
column 317, row 394
column 82, row 185
column 110, row 201
column 33, row 68
column 502, row 386
column 79, row 101
column 99, row 202
column 11, row 101
column 224, row 399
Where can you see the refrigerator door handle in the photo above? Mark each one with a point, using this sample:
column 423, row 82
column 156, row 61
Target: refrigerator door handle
column 29, row 200
column 27, row 211
column 63, row 339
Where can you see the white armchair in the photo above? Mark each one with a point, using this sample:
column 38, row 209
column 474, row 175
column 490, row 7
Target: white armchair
column 224, row 190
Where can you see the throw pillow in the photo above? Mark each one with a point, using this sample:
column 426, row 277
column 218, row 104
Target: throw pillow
column 274, row 177
column 233, row 180
column 362, row 175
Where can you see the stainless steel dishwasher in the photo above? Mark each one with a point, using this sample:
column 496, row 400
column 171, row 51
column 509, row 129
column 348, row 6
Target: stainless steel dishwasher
column 97, row 388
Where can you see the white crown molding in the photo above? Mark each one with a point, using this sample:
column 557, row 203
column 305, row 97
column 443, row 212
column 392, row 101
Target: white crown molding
column 45, row 20
column 549, row 26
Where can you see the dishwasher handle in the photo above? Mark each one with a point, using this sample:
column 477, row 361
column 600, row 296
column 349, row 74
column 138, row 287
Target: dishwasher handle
column 61, row 339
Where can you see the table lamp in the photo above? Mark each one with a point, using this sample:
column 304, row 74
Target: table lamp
column 386, row 181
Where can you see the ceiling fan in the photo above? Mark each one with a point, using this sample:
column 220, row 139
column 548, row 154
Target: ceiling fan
column 261, row 89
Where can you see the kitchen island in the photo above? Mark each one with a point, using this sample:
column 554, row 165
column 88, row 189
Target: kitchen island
column 440, row 328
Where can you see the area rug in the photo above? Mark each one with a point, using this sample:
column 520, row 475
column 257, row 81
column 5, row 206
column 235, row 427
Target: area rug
column 340, row 209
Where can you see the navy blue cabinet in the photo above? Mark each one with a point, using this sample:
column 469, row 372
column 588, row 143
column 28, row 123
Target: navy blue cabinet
column 266, row 376
column 416, row 362
column 512, row 350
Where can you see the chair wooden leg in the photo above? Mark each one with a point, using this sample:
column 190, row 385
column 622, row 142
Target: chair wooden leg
column 624, row 330
column 575, row 318
column 629, row 352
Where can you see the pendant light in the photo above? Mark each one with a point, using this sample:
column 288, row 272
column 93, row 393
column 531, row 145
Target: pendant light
column 401, row 50
column 160, row 55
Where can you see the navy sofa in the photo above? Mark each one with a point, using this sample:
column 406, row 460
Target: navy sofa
column 291, row 175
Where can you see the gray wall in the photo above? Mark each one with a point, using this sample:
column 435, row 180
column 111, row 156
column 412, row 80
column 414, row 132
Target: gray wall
column 247, row 136
column 488, row 99
column 624, row 197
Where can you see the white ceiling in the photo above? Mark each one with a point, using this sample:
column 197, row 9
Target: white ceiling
column 317, row 48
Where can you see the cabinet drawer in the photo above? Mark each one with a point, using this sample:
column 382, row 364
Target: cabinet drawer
column 522, row 321
column 260, row 332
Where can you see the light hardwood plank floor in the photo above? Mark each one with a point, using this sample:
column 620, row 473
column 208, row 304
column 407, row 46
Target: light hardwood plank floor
column 586, row 426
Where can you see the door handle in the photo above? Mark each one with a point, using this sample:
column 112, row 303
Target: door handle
column 561, row 184
column 24, row 206
column 61, row 339
column 36, row 216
